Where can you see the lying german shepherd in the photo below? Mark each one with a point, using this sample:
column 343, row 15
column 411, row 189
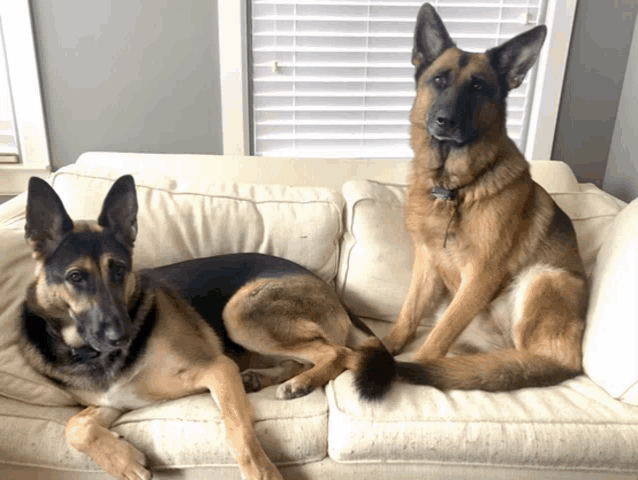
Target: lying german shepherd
column 486, row 235
column 118, row 340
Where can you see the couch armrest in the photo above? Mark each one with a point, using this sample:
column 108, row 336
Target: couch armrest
column 553, row 175
column 611, row 338
column 12, row 211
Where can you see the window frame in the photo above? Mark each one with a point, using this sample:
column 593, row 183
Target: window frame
column 548, row 89
column 234, row 70
column 26, row 95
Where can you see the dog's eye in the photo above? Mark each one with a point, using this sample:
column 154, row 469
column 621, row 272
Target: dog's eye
column 75, row 277
column 438, row 81
column 117, row 271
column 476, row 85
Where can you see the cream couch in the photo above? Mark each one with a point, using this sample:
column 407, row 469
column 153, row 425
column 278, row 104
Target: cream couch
column 350, row 231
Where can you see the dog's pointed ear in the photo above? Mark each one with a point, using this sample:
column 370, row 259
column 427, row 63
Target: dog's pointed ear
column 515, row 57
column 430, row 37
column 46, row 219
column 119, row 210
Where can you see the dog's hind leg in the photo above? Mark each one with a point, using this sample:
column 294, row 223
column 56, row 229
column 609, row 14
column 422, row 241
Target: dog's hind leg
column 223, row 380
column 310, row 363
column 296, row 317
column 88, row 432
column 550, row 306
column 328, row 361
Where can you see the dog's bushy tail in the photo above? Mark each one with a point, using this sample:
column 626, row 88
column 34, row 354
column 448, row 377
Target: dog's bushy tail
column 374, row 371
column 498, row 371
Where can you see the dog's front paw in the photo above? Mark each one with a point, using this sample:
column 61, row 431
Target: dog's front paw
column 293, row 388
column 120, row 459
column 264, row 471
column 133, row 468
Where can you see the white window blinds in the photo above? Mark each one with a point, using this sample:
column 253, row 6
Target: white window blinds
column 8, row 147
column 333, row 78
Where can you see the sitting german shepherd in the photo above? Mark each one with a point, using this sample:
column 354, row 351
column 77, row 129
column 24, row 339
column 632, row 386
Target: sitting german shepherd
column 486, row 236
column 118, row 340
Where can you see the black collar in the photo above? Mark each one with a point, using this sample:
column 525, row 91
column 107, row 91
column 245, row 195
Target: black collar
column 444, row 193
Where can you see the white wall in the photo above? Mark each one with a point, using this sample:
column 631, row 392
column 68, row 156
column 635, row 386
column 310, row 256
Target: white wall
column 621, row 177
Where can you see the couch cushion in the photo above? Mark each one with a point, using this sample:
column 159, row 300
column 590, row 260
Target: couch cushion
column 181, row 219
column 17, row 379
column 611, row 350
column 185, row 433
column 176, row 221
column 575, row 424
column 377, row 251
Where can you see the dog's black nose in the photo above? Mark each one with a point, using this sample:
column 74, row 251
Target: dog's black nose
column 446, row 122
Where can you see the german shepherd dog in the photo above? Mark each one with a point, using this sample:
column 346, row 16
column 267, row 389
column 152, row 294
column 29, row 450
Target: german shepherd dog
column 486, row 236
column 119, row 340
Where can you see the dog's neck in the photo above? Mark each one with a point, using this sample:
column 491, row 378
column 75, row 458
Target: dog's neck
column 446, row 172
column 442, row 148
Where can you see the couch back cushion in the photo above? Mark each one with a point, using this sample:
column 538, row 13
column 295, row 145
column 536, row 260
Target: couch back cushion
column 183, row 219
column 177, row 221
column 17, row 379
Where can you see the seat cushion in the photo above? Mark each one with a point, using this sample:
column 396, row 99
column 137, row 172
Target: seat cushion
column 575, row 424
column 184, row 433
column 572, row 425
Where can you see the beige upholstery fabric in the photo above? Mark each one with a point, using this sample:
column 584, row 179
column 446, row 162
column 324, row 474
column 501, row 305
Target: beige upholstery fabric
column 530, row 427
column 575, row 424
column 376, row 251
column 611, row 351
column 17, row 379
column 197, row 217
column 177, row 434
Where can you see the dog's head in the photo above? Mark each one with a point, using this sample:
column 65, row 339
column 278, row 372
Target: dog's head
column 83, row 274
column 461, row 95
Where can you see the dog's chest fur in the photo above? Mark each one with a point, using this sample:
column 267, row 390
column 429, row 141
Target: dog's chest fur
column 123, row 395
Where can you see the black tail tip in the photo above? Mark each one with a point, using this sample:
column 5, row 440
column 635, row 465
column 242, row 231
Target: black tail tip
column 376, row 371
